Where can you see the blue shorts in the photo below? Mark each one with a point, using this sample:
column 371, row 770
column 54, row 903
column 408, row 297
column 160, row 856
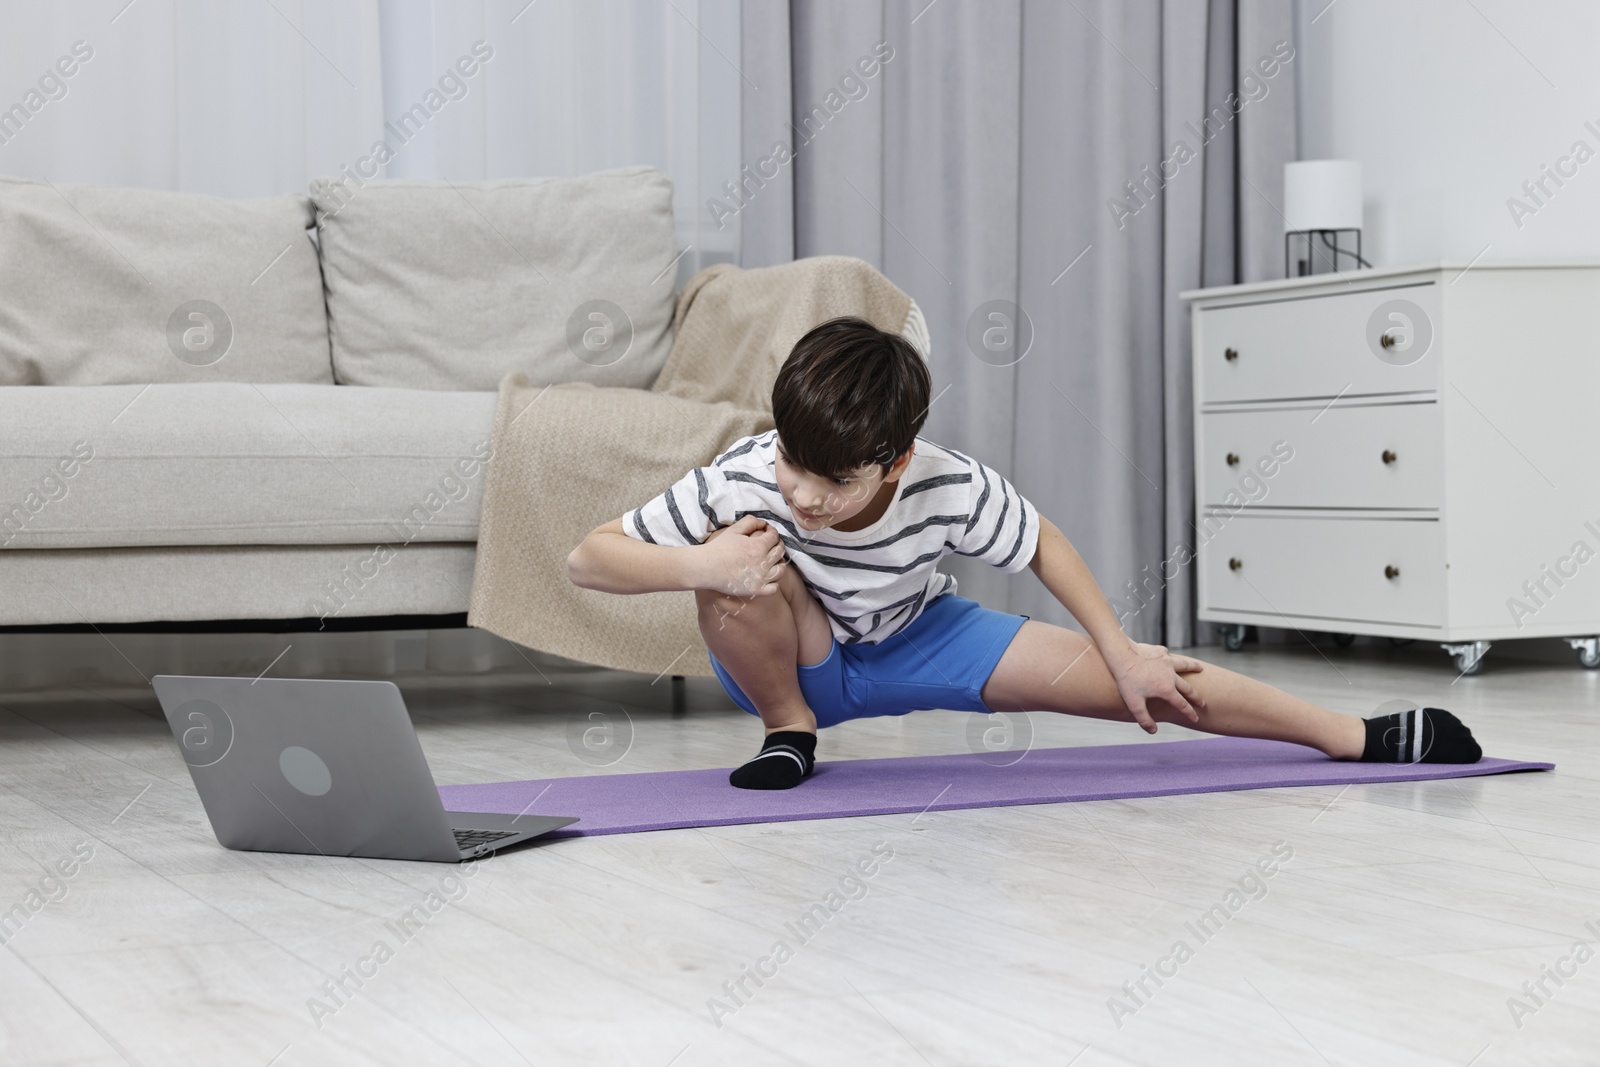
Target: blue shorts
column 941, row 660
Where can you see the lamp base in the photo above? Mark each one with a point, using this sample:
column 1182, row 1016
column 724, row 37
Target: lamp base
column 1307, row 252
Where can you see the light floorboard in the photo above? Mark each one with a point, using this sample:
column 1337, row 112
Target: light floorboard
column 1408, row 915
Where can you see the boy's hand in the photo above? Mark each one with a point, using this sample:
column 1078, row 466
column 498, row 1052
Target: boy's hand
column 745, row 559
column 1150, row 672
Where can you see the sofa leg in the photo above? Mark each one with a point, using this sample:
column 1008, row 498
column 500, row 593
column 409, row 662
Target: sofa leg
column 680, row 698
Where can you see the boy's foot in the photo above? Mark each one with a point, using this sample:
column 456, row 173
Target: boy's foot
column 1421, row 735
column 787, row 759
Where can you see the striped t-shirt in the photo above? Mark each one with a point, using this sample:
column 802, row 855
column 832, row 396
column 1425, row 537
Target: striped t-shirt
column 872, row 582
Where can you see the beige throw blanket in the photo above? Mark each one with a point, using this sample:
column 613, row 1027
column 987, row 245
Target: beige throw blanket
column 571, row 457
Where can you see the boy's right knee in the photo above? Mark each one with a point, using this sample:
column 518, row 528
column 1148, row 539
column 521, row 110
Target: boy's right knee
column 720, row 610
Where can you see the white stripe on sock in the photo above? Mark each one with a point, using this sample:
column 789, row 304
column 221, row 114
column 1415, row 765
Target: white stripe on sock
column 1400, row 749
column 784, row 750
column 1416, row 740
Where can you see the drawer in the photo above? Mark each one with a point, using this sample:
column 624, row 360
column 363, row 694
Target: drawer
column 1371, row 456
column 1314, row 346
column 1323, row 568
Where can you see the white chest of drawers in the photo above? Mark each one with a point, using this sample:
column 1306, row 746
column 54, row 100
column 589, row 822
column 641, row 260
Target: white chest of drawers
column 1412, row 453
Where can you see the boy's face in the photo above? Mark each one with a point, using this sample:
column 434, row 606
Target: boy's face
column 819, row 501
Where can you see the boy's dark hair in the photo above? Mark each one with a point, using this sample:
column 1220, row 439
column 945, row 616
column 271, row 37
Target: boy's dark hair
column 850, row 394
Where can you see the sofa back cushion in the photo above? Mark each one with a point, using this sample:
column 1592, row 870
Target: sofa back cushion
column 441, row 285
column 106, row 286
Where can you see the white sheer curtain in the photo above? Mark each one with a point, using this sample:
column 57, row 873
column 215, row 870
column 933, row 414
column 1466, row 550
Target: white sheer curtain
column 236, row 99
column 254, row 97
column 575, row 86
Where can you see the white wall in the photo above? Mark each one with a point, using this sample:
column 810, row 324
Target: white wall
column 1451, row 106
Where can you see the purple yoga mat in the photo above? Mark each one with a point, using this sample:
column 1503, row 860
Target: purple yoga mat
column 667, row 800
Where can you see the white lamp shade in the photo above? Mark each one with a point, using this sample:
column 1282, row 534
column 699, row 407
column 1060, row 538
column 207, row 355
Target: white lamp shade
column 1322, row 194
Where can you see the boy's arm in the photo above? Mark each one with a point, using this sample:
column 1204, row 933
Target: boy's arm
column 745, row 559
column 1142, row 672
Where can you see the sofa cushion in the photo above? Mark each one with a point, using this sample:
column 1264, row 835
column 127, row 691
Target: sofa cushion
column 239, row 464
column 439, row 285
column 101, row 286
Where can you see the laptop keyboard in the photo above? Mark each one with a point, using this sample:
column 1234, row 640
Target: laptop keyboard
column 466, row 839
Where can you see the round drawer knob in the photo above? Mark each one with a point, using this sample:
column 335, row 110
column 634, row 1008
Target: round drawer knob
column 1233, row 459
column 1391, row 572
column 1231, row 354
column 1235, row 563
column 1389, row 456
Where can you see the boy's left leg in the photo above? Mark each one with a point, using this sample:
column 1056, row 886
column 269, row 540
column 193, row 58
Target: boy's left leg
column 1050, row 668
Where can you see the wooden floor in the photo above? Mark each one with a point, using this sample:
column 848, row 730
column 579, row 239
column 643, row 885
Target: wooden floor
column 1406, row 918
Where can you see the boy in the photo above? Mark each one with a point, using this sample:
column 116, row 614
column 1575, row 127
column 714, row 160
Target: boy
column 812, row 550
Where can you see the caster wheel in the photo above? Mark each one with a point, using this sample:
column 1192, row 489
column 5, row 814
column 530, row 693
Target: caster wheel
column 1233, row 637
column 1588, row 650
column 1468, row 657
column 1344, row 640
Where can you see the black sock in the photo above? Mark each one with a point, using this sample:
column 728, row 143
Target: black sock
column 1421, row 735
column 787, row 758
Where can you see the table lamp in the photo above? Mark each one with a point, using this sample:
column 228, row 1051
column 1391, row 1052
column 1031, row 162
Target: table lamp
column 1321, row 216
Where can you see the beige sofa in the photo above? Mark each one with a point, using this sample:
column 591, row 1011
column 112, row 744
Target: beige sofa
column 278, row 409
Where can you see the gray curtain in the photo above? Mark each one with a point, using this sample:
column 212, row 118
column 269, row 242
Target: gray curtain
column 980, row 167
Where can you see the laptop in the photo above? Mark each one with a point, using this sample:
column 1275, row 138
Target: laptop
column 323, row 766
